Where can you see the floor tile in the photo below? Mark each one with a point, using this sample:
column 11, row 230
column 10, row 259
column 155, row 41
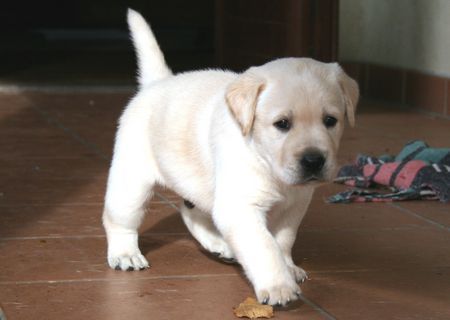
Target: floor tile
column 56, row 192
column 433, row 212
column 354, row 216
column 400, row 294
column 78, row 220
column 176, row 298
column 65, row 258
column 91, row 117
column 372, row 249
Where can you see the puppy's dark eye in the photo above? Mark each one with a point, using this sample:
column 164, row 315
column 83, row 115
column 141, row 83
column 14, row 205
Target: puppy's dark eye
column 283, row 125
column 329, row 121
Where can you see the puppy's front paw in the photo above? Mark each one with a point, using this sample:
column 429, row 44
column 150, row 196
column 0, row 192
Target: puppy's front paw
column 128, row 262
column 298, row 273
column 279, row 295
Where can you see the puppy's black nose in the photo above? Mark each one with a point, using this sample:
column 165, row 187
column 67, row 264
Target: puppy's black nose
column 312, row 161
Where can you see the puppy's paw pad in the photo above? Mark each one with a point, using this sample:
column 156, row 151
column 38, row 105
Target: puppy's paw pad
column 279, row 295
column 298, row 273
column 128, row 262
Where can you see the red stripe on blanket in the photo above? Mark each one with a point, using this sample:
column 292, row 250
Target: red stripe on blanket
column 385, row 172
column 369, row 169
column 408, row 173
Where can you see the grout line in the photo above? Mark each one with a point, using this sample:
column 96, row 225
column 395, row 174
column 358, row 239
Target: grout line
column 166, row 201
column 378, row 270
column 15, row 89
column 74, row 135
column 53, row 204
column 363, row 230
column 51, row 237
column 94, row 236
column 91, row 146
column 415, row 214
column 317, row 308
column 171, row 277
column 72, row 204
column 34, row 158
column 143, row 235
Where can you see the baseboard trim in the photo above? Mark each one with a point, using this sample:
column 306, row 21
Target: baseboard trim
column 415, row 89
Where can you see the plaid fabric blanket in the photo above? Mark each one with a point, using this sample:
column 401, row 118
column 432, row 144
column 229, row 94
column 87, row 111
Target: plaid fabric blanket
column 417, row 172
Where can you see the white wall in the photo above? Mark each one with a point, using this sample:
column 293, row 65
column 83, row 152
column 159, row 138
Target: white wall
column 413, row 34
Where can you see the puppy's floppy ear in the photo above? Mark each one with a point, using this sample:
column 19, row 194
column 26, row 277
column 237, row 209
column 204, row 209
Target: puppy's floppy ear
column 350, row 92
column 242, row 98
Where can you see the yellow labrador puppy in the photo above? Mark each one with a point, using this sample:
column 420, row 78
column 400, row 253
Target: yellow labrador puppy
column 245, row 150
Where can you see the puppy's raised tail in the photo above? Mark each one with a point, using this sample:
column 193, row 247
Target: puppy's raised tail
column 150, row 59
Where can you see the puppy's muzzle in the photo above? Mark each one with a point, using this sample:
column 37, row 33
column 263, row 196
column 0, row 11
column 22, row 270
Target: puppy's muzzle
column 312, row 163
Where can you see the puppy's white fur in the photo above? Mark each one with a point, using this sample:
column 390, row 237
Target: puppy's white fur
column 209, row 136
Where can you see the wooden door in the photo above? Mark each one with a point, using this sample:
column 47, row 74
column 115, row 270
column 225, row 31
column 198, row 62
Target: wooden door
column 251, row 32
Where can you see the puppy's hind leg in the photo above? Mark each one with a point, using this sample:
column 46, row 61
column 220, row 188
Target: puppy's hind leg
column 123, row 213
column 202, row 228
column 130, row 185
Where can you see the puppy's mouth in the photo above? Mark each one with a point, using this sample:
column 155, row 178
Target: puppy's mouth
column 311, row 179
column 303, row 181
column 314, row 179
column 302, row 178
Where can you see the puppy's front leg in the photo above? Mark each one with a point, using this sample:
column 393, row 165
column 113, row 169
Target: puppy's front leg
column 244, row 228
column 285, row 228
column 285, row 235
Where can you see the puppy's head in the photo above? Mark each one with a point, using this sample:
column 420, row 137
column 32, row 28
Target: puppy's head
column 292, row 111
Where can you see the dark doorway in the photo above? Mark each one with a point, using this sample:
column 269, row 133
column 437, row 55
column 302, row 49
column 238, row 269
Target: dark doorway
column 86, row 42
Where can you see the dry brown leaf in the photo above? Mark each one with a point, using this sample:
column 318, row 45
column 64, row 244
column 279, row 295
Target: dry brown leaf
column 252, row 309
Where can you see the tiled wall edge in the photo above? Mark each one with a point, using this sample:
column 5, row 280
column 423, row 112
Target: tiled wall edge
column 425, row 92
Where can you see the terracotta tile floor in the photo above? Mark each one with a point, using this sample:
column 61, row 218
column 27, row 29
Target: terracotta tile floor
column 366, row 261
